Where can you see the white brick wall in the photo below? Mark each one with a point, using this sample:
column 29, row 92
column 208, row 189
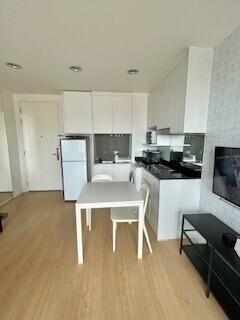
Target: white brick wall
column 223, row 123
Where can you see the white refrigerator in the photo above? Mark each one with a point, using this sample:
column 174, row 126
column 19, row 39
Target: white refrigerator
column 74, row 166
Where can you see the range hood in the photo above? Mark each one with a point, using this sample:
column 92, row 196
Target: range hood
column 162, row 131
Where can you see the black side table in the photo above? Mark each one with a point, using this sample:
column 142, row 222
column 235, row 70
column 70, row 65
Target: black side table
column 2, row 217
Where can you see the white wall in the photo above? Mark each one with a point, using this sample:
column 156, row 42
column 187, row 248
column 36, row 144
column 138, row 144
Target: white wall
column 5, row 171
column 10, row 122
column 223, row 123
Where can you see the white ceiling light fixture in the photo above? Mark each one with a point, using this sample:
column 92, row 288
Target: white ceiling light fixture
column 132, row 71
column 75, row 68
column 13, row 66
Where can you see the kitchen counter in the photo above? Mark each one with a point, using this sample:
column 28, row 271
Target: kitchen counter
column 163, row 172
column 171, row 192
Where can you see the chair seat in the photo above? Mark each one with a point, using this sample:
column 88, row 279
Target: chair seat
column 124, row 214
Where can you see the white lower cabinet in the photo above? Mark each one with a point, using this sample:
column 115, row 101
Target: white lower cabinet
column 176, row 197
column 168, row 200
column 119, row 172
column 102, row 169
column 153, row 204
column 136, row 173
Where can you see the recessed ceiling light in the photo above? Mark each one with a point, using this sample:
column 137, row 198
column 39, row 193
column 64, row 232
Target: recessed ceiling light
column 132, row 71
column 14, row 66
column 75, row 68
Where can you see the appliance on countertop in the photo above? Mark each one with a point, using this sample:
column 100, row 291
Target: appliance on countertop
column 138, row 159
column 189, row 158
column 151, row 156
column 151, row 136
column 160, row 168
column 75, row 165
column 176, row 157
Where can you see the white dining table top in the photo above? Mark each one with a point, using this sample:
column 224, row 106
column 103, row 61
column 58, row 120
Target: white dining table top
column 102, row 194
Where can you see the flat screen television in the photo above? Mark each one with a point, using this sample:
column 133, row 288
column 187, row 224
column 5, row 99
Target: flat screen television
column 226, row 177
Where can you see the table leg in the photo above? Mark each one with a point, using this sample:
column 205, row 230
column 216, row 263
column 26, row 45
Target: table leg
column 79, row 234
column 181, row 239
column 89, row 218
column 140, row 231
column 209, row 272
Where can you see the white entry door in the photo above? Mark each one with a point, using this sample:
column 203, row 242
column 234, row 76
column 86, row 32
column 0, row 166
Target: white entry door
column 41, row 145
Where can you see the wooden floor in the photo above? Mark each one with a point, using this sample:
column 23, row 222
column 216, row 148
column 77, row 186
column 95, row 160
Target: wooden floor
column 5, row 196
column 40, row 278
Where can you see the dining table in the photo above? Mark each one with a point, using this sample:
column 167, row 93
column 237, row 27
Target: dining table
column 108, row 195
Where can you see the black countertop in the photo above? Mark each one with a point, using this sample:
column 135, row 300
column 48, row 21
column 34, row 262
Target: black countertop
column 163, row 172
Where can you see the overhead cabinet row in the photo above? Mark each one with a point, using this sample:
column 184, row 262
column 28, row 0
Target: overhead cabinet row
column 181, row 100
column 87, row 112
column 112, row 113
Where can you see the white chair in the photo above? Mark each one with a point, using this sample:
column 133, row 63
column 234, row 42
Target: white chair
column 96, row 178
column 120, row 215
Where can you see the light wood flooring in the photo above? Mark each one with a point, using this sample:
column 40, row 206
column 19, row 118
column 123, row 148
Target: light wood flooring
column 5, row 196
column 40, row 277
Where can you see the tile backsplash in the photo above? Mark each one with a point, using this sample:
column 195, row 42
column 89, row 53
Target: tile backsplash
column 194, row 144
column 106, row 144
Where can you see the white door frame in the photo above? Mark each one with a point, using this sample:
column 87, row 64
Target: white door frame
column 21, row 98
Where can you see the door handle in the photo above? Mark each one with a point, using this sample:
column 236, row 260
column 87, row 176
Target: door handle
column 58, row 157
column 56, row 154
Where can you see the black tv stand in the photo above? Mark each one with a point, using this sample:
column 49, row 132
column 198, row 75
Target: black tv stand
column 218, row 264
column 2, row 217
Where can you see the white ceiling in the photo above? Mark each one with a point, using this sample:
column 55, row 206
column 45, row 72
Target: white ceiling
column 104, row 37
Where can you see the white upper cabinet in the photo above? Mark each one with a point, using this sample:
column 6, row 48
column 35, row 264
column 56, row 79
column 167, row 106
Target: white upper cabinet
column 102, row 114
column 122, row 114
column 77, row 112
column 181, row 100
column 177, row 82
column 198, row 89
column 112, row 113
column 139, row 122
column 158, row 107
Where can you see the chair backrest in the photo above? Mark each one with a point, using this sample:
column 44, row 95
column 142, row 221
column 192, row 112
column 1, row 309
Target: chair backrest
column 101, row 178
column 144, row 190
